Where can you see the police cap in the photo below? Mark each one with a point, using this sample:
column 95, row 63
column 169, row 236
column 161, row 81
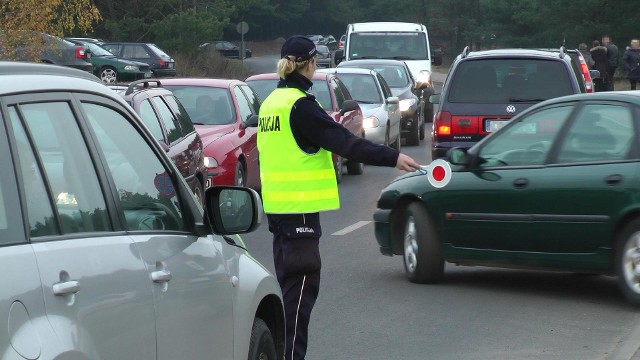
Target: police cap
column 299, row 46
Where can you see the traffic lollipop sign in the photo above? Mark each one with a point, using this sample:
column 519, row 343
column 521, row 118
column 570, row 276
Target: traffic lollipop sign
column 438, row 173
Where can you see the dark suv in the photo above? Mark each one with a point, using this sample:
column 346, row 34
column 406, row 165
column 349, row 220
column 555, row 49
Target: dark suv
column 484, row 89
column 170, row 124
column 161, row 64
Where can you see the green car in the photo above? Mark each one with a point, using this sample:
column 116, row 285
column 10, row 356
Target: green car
column 557, row 188
column 112, row 69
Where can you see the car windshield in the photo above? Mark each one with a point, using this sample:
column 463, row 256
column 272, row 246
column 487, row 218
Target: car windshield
column 383, row 45
column 205, row 105
column 395, row 76
column 509, row 80
column 362, row 87
column 263, row 87
column 96, row 49
column 320, row 89
column 158, row 51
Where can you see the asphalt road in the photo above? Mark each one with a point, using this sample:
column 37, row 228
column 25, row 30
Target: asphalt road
column 368, row 310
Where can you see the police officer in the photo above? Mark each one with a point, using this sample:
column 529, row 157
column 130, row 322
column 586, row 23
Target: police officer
column 295, row 140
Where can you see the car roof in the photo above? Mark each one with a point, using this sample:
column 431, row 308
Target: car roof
column 381, row 26
column 46, row 77
column 515, row 52
column 373, row 62
column 347, row 70
column 220, row 83
column 138, row 86
column 275, row 76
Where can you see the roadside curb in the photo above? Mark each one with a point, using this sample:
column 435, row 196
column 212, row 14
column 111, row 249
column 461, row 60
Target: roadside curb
column 629, row 347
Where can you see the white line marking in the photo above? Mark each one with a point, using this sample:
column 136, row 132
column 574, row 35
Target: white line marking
column 351, row 228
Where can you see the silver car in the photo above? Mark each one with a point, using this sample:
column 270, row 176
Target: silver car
column 379, row 107
column 105, row 252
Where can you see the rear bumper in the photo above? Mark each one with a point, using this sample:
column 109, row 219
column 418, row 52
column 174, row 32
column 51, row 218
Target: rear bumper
column 439, row 149
column 162, row 72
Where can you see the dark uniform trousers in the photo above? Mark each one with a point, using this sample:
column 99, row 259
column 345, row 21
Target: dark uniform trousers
column 296, row 257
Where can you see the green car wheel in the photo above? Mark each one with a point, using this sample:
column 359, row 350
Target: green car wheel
column 423, row 260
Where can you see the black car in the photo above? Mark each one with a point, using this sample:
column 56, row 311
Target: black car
column 485, row 89
column 404, row 86
column 226, row 49
column 170, row 124
column 161, row 64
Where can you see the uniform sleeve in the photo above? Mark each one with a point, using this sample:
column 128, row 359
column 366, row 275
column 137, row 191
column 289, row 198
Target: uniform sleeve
column 311, row 125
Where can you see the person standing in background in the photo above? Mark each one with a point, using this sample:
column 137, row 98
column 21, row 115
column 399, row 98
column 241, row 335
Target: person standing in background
column 584, row 50
column 295, row 140
column 612, row 60
column 599, row 56
column 631, row 63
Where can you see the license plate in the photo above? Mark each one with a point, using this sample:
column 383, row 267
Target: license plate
column 494, row 125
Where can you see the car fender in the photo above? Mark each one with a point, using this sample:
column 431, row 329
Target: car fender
column 253, row 278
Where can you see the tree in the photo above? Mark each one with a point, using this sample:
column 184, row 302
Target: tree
column 23, row 21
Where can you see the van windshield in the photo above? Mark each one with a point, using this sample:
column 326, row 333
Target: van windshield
column 388, row 45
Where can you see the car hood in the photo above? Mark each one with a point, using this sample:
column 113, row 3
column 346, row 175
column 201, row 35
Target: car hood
column 371, row 109
column 210, row 133
column 410, row 175
column 402, row 93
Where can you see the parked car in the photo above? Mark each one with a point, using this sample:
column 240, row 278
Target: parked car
column 161, row 64
column 323, row 56
column 342, row 41
column 406, row 88
column 579, row 66
column 89, row 39
column 225, row 115
column 110, row 68
column 335, row 100
column 380, row 108
column 556, row 188
column 171, row 125
column 50, row 50
column 116, row 258
column 318, row 39
column 485, row 89
column 226, row 49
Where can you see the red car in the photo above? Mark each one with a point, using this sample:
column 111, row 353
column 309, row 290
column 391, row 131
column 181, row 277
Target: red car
column 225, row 115
column 336, row 101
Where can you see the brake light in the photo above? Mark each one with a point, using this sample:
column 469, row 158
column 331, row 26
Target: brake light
column 162, row 63
column 340, row 43
column 443, row 123
column 80, row 53
column 587, row 76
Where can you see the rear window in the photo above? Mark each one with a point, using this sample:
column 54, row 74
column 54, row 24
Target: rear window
column 509, row 80
column 158, row 51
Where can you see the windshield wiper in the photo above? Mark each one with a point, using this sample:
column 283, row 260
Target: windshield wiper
column 365, row 102
column 403, row 57
column 525, row 100
column 365, row 57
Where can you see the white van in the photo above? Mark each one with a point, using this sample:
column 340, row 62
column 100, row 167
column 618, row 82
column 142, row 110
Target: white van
column 391, row 40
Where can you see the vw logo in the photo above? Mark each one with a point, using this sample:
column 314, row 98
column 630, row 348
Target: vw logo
column 511, row 109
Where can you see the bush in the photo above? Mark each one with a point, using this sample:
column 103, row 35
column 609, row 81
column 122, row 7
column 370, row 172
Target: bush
column 209, row 64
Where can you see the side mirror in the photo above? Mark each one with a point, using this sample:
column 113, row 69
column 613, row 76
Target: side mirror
column 595, row 74
column 393, row 100
column 338, row 56
column 232, row 209
column 458, row 156
column 349, row 105
column 436, row 56
column 252, row 122
column 434, row 99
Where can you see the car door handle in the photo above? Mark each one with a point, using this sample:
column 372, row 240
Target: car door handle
column 613, row 179
column 161, row 276
column 520, row 183
column 66, row 288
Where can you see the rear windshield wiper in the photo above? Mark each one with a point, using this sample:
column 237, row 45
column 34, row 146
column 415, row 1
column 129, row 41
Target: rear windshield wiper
column 525, row 100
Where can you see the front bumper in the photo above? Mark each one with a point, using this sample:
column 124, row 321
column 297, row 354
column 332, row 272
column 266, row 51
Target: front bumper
column 382, row 225
column 376, row 135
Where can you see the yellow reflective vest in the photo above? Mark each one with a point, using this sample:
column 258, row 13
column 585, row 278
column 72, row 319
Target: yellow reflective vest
column 293, row 181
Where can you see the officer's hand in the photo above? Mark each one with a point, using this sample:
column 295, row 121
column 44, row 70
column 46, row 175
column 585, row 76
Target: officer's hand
column 406, row 163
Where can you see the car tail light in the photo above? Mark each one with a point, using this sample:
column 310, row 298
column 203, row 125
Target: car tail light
column 587, row 77
column 80, row 53
column 340, row 43
column 162, row 63
column 443, row 123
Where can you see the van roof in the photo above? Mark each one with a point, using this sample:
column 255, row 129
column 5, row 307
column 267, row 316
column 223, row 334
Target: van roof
column 386, row 26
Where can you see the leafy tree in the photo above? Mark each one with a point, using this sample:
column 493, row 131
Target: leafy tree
column 23, row 21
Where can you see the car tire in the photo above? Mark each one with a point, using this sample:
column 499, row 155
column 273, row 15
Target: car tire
column 422, row 249
column 108, row 75
column 413, row 138
column 355, row 168
column 339, row 168
column 261, row 345
column 627, row 261
column 240, row 178
column 198, row 192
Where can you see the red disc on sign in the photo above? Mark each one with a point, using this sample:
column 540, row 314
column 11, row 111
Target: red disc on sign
column 439, row 173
